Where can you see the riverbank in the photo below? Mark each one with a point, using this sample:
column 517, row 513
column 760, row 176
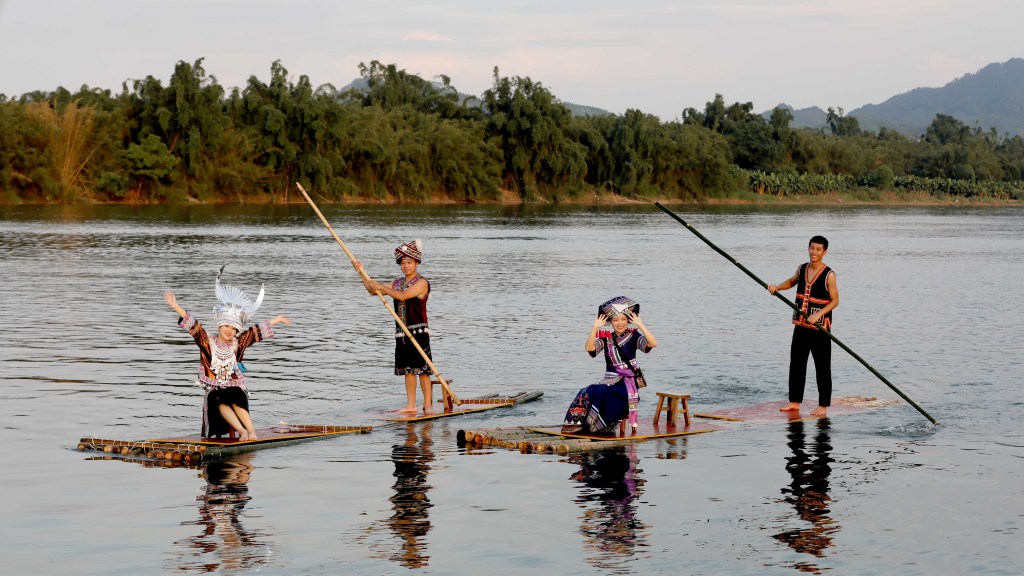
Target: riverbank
column 862, row 197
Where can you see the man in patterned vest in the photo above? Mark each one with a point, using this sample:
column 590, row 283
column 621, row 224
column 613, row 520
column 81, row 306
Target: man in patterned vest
column 816, row 295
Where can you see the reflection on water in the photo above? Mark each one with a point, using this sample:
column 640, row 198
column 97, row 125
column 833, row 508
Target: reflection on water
column 674, row 449
column 223, row 544
column 611, row 485
column 808, row 493
column 409, row 522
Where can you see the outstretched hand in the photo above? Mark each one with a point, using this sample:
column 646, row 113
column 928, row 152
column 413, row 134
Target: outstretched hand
column 634, row 318
column 172, row 301
column 281, row 318
column 601, row 320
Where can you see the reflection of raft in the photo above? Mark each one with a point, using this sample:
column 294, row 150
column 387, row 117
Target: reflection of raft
column 191, row 449
column 471, row 405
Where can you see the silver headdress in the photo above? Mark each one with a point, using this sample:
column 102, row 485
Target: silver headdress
column 235, row 309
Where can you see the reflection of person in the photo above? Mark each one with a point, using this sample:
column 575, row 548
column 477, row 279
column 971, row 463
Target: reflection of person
column 224, row 497
column 409, row 521
column 816, row 295
column 808, row 491
column 599, row 407
column 612, row 485
column 226, row 402
column 410, row 293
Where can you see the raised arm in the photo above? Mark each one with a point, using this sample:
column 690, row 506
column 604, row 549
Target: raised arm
column 368, row 282
column 279, row 319
column 417, row 290
column 172, row 301
column 635, row 319
column 601, row 320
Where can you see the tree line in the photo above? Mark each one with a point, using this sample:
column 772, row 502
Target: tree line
column 405, row 138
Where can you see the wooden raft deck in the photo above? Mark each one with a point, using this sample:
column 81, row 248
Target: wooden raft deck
column 549, row 439
column 531, row 439
column 195, row 449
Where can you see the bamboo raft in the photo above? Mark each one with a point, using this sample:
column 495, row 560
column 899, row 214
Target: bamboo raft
column 195, row 449
column 527, row 441
column 531, row 439
column 472, row 405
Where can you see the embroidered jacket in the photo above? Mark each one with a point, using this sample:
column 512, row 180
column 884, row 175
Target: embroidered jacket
column 219, row 361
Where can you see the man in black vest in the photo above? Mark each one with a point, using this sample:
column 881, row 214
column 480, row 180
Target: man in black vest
column 817, row 295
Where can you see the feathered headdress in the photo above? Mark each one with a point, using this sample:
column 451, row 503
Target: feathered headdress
column 235, row 308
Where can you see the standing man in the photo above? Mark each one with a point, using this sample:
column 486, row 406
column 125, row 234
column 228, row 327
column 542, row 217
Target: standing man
column 816, row 296
column 410, row 292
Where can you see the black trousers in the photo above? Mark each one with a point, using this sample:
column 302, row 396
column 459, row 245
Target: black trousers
column 815, row 343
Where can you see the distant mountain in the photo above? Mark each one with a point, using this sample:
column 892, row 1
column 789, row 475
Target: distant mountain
column 812, row 117
column 582, row 110
column 991, row 97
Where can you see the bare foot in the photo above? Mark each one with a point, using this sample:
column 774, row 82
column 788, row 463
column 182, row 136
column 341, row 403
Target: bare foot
column 820, row 411
column 790, row 407
column 252, row 436
column 427, row 409
column 408, row 410
column 243, row 436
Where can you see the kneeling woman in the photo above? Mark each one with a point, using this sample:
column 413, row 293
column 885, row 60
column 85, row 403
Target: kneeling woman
column 599, row 407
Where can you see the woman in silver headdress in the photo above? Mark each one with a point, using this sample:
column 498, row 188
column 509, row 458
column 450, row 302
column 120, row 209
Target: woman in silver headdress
column 599, row 407
column 410, row 292
column 226, row 402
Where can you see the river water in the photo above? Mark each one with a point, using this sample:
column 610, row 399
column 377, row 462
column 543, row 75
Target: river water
column 929, row 296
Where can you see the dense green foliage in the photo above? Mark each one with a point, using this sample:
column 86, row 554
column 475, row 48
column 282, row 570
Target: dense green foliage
column 408, row 139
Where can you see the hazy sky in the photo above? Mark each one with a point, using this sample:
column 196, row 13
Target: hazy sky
column 657, row 56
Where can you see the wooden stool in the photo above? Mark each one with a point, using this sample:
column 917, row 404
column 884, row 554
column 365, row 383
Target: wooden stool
column 449, row 404
column 673, row 407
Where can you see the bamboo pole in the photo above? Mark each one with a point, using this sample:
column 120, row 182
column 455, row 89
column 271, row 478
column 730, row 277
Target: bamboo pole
column 444, row 384
column 795, row 307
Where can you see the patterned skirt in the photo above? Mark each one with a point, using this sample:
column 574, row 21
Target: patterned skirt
column 598, row 408
column 408, row 360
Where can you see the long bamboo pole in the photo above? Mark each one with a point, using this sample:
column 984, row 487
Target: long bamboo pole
column 795, row 307
column 444, row 384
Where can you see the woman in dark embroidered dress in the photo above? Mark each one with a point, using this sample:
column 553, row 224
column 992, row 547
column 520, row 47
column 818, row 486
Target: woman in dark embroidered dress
column 599, row 407
column 410, row 293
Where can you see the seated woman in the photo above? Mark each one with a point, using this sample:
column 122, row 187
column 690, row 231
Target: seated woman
column 226, row 399
column 599, row 407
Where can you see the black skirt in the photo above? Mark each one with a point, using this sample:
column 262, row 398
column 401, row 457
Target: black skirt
column 408, row 360
column 215, row 425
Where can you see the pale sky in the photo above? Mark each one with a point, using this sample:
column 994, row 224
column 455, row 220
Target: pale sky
column 657, row 56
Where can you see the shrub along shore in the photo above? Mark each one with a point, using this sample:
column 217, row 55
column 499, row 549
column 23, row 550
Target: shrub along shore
column 400, row 138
